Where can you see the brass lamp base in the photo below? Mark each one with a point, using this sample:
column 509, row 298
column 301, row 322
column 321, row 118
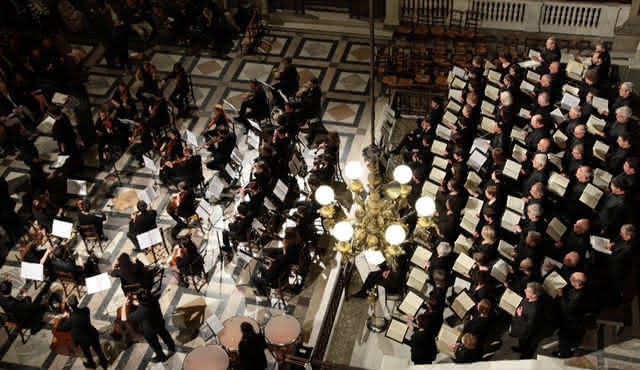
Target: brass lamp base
column 377, row 324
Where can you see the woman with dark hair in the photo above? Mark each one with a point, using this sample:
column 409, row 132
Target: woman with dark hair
column 184, row 260
column 251, row 348
column 131, row 273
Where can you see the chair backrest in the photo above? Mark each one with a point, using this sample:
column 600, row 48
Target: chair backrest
column 65, row 275
column 88, row 232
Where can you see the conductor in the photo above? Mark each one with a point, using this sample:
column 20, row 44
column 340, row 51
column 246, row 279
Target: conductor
column 149, row 315
column 142, row 220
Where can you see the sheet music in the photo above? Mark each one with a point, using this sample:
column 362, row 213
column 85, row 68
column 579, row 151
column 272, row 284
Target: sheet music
column 600, row 150
column 569, row 101
column 411, row 303
column 600, row 104
column 557, row 116
column 437, row 175
column 446, row 336
column 476, row 160
column 60, row 161
column 253, row 140
column 519, row 153
column 595, row 125
column 494, row 77
column 534, row 55
column 148, row 195
column 149, row 163
column 524, row 113
column 512, row 169
column 487, row 108
column 61, row 229
column 515, row 204
column 556, row 229
column 48, row 122
column 474, row 206
column 469, row 222
column 31, row 271
column 216, row 186
column 421, row 256
column 280, row 190
column 429, row 189
column 230, row 171
column 533, row 77
column 566, row 58
column 459, row 72
column 483, row 145
column 500, row 270
column 600, row 244
column 257, row 225
column 462, row 304
column 458, row 83
column 518, row 134
column 526, row 87
column 549, row 261
column 571, row 89
column 455, row 94
column 591, row 196
column 460, row 284
column 77, row 187
column 556, row 159
column 453, row 106
column 149, row 238
column 373, row 258
column 559, row 137
column 553, row 282
column 575, row 70
column 462, row 245
column 397, row 330
column 59, row 98
column 488, row 65
column 202, row 210
column 440, row 162
column 557, row 184
column 192, row 139
column 417, row 278
column 505, row 249
column 473, row 182
column 449, row 119
column 254, row 124
column 510, row 301
column 487, row 124
column 98, row 283
column 601, row 178
column 463, row 264
column 509, row 220
column 443, row 132
column 492, row 92
column 215, row 324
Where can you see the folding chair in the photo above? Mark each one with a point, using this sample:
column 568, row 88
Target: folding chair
column 89, row 234
column 69, row 283
column 9, row 323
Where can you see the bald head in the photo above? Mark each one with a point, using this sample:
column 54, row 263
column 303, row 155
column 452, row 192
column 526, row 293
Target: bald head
column 578, row 280
column 582, row 226
column 571, row 259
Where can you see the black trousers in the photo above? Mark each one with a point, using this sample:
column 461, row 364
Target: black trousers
column 133, row 239
column 527, row 347
column 151, row 336
column 94, row 343
column 567, row 337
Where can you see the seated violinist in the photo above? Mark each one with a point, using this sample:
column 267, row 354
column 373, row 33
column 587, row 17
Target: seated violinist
column 123, row 103
column 27, row 314
column 158, row 116
column 58, row 261
column 171, row 147
column 142, row 220
column 132, row 273
column 185, row 260
column 111, row 136
column 255, row 105
column 218, row 119
column 146, row 75
column 182, row 205
column 278, row 262
column 181, row 169
column 44, row 212
column 238, row 228
column 221, row 146
column 86, row 218
column 141, row 142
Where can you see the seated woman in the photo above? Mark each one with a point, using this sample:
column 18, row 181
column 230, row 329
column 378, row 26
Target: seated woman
column 56, row 260
column 467, row 350
column 123, row 102
column 132, row 273
column 185, row 260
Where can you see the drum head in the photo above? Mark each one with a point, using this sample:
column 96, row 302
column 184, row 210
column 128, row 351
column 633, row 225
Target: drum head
column 282, row 330
column 211, row 357
column 231, row 335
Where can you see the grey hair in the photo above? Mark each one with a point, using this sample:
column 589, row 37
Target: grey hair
column 577, row 109
column 628, row 85
column 536, row 289
column 506, row 98
column 541, row 159
column 443, row 249
column 624, row 111
column 534, row 209
column 629, row 229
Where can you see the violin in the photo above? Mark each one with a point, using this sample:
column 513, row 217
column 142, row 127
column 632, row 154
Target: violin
column 177, row 162
column 176, row 200
column 136, row 132
column 167, row 149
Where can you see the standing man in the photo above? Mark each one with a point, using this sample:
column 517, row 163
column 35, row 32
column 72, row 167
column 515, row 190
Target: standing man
column 527, row 320
column 289, row 81
column 149, row 315
column 572, row 303
column 142, row 220
column 78, row 322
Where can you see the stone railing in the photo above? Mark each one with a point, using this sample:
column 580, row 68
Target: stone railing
column 551, row 17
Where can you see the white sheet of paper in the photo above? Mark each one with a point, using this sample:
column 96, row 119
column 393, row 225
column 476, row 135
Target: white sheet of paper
column 229, row 170
column 453, row 106
column 600, row 244
column 499, row 270
column 462, row 245
column 474, row 205
column 77, row 187
column 280, row 190
column 518, row 134
column 254, row 124
column 600, row 150
column 487, row 124
column 595, row 125
column 253, row 140
column 59, row 98
column 533, row 77
column 591, row 196
column 526, row 87
column 127, row 121
column 61, row 229
column 440, row 162
column 458, row 83
column 534, row 55
column 476, row 160
column 557, row 116
column 557, row 184
column 31, row 271
column 510, row 301
column 463, row 264
column 570, row 89
column 492, row 92
column 437, row 175
column 192, row 139
column 150, row 238
column 556, row 229
column 460, row 284
column 512, row 169
column 459, row 72
column 148, row 195
column 509, row 220
column 559, row 137
column 505, row 249
column 60, row 161
column 524, row 113
column 519, row 153
column 601, row 178
column 569, row 101
column 515, row 204
column 417, row 278
column 149, row 163
column 443, row 132
column 600, row 104
column 373, row 257
column 429, row 189
column 449, row 119
column 215, row 324
column 421, row 256
column 98, row 283
column 483, row 145
column 397, row 330
column 552, row 283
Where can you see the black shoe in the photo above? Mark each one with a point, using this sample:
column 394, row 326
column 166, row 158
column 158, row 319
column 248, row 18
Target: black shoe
column 172, row 351
column 89, row 365
column 560, row 354
column 159, row 359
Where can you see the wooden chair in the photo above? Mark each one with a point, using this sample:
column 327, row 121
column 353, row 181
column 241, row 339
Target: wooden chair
column 89, row 234
column 405, row 28
column 69, row 283
column 10, row 323
column 421, row 29
column 197, row 273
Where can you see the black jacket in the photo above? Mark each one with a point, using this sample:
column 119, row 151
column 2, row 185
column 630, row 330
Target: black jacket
column 79, row 324
column 144, row 222
column 423, row 347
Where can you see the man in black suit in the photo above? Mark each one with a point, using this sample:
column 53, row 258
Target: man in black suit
column 257, row 101
column 617, row 266
column 391, row 280
column 26, row 313
column 527, row 319
column 572, row 309
column 78, row 322
column 141, row 221
column 185, row 207
column 85, row 218
column 612, row 208
column 311, row 98
column 150, row 316
column 289, row 81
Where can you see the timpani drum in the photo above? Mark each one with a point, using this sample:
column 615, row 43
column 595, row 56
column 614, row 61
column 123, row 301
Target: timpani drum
column 282, row 333
column 211, row 357
column 231, row 335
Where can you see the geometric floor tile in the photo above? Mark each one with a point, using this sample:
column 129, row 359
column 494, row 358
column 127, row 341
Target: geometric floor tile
column 354, row 82
column 164, row 61
column 209, row 67
column 316, row 49
column 254, row 70
column 342, row 112
column 99, row 85
column 357, row 53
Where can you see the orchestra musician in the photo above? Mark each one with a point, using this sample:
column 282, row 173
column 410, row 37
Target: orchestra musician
column 278, row 263
column 172, row 147
column 86, row 218
column 56, row 259
column 238, row 227
column 78, row 321
column 251, row 348
column 219, row 119
column 150, row 316
column 44, row 211
column 146, row 75
column 140, row 142
column 288, row 79
column 291, row 119
column 256, row 99
column 111, row 134
column 221, row 147
column 27, row 314
column 63, row 132
column 182, row 205
column 311, row 98
column 123, row 103
column 158, row 116
column 142, row 220
column 187, row 168
column 180, row 95
column 132, row 273
column 183, row 260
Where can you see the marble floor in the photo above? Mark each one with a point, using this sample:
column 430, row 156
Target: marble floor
column 341, row 66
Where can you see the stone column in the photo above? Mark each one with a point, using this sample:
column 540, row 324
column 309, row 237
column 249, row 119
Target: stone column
column 392, row 15
column 627, row 36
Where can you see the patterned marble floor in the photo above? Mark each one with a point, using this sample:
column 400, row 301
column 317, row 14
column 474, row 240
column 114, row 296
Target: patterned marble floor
column 340, row 65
